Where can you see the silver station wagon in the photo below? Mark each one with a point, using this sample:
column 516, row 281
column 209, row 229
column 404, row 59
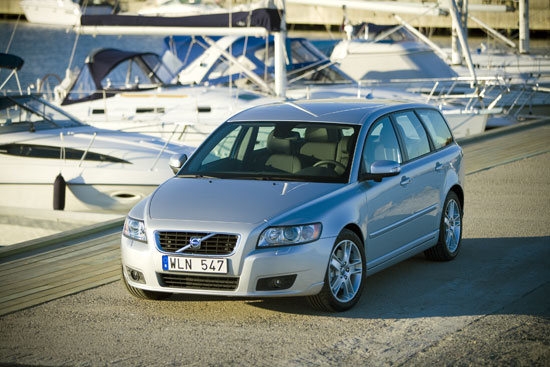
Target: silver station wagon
column 300, row 198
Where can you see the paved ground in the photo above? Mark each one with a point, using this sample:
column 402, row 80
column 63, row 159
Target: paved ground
column 489, row 307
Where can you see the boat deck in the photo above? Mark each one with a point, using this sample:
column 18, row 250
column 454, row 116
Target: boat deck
column 44, row 269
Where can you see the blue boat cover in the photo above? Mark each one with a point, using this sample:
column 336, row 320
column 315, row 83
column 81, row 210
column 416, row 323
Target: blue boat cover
column 101, row 75
column 267, row 18
column 9, row 61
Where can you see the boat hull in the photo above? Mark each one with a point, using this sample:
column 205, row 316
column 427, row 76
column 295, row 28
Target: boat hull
column 466, row 124
column 59, row 12
column 78, row 197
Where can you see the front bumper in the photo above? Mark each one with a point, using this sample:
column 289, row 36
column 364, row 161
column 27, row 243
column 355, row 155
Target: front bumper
column 273, row 272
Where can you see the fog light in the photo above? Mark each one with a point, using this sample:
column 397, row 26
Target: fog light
column 275, row 283
column 135, row 275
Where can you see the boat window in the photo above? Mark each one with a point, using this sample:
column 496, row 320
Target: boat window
column 143, row 72
column 266, row 55
column 224, row 67
column 159, row 72
column 27, row 113
column 55, row 152
column 310, row 66
column 83, row 87
column 128, row 75
column 301, row 54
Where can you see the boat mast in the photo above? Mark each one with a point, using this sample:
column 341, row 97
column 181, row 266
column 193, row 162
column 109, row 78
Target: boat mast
column 280, row 59
column 524, row 26
column 458, row 32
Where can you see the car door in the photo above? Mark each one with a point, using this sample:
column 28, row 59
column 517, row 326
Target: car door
column 400, row 209
column 384, row 199
column 421, row 179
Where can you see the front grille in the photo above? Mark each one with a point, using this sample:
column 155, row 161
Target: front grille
column 218, row 244
column 199, row 282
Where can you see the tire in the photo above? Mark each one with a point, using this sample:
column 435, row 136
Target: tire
column 143, row 294
column 450, row 231
column 345, row 275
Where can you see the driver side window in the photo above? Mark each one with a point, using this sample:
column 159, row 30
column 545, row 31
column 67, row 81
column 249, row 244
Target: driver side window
column 381, row 144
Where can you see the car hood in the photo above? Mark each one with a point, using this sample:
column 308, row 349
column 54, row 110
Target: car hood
column 236, row 201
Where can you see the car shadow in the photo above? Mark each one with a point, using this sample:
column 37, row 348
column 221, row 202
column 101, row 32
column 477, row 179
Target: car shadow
column 490, row 275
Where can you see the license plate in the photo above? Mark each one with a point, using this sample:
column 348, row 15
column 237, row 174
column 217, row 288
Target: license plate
column 194, row 264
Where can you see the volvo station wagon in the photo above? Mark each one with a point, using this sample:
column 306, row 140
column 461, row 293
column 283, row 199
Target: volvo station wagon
column 303, row 198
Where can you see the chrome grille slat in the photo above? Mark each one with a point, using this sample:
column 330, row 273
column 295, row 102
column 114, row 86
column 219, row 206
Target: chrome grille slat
column 219, row 244
column 199, row 282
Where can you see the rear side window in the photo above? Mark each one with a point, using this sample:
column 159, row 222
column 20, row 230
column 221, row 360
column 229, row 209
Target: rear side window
column 413, row 133
column 437, row 128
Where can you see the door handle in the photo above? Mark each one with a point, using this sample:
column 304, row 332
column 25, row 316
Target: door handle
column 405, row 181
column 438, row 166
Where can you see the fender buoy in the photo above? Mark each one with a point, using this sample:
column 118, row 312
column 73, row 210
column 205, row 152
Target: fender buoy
column 59, row 186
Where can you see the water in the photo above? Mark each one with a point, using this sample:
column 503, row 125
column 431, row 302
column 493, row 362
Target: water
column 48, row 50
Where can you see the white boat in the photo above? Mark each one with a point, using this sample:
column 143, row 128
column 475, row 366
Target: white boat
column 310, row 74
column 259, row 66
column 506, row 87
column 62, row 12
column 51, row 160
column 135, row 92
column 184, row 8
column 385, row 53
column 178, row 8
column 520, row 82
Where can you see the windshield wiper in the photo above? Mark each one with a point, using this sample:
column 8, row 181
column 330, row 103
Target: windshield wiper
column 196, row 175
column 277, row 178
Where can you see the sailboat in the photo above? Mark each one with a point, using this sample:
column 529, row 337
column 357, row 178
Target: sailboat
column 400, row 56
column 266, row 24
column 51, row 160
column 135, row 91
column 309, row 74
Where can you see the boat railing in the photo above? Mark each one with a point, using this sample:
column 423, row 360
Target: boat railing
column 504, row 92
column 63, row 155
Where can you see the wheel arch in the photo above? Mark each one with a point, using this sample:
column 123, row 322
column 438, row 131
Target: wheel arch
column 355, row 229
column 459, row 191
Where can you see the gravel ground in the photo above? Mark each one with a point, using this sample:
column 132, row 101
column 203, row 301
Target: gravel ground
column 489, row 307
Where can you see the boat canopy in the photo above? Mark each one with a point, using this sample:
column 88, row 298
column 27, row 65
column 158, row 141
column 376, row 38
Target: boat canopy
column 11, row 62
column 222, row 60
column 110, row 71
column 268, row 18
column 186, row 48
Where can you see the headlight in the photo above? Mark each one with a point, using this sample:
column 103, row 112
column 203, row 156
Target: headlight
column 134, row 229
column 290, row 235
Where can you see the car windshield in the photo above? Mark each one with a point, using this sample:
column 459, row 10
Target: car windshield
column 296, row 151
column 27, row 113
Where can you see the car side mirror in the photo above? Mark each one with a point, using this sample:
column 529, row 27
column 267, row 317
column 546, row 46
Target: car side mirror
column 381, row 169
column 177, row 161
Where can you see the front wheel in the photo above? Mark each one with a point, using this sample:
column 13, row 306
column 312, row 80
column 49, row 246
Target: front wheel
column 345, row 276
column 450, row 231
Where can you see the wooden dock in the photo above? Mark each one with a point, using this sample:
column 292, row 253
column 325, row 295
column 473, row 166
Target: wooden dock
column 41, row 270
column 55, row 266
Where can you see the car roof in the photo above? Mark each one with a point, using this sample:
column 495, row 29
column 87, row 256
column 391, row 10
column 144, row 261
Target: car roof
column 351, row 111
